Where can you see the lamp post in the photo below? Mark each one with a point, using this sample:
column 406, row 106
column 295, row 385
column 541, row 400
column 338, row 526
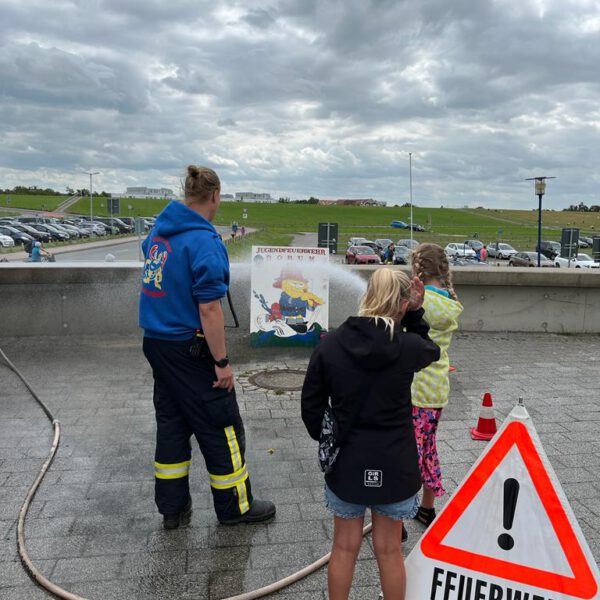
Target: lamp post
column 410, row 193
column 540, row 190
column 91, row 174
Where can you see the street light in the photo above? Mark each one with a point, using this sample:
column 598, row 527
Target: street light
column 540, row 190
column 410, row 188
column 91, row 174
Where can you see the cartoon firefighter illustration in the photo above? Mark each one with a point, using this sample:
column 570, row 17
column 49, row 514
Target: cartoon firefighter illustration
column 295, row 299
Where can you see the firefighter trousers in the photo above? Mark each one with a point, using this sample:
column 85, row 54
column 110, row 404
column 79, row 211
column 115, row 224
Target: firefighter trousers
column 180, row 381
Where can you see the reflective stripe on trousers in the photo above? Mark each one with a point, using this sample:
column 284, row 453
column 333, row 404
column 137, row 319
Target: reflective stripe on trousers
column 237, row 478
column 172, row 471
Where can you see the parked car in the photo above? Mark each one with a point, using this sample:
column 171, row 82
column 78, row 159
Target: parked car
column 40, row 236
column 465, row 261
column 6, row 241
column 402, row 255
column 588, row 240
column 72, row 231
column 410, row 244
column 578, row 262
column 356, row 241
column 362, row 255
column 383, row 243
column 399, row 225
column 18, row 236
column 528, row 259
column 76, row 231
column 94, row 228
column 458, row 250
column 549, row 249
column 371, row 244
column 115, row 222
column 55, row 234
column 474, row 244
column 504, row 251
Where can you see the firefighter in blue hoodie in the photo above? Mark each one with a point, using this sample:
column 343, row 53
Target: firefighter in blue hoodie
column 186, row 274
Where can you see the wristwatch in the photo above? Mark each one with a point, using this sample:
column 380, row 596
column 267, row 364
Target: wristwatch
column 222, row 363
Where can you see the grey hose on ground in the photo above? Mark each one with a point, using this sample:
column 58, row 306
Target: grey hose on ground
column 35, row 573
column 48, row 585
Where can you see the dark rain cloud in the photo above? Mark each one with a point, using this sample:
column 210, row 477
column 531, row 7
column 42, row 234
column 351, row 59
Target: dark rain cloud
column 301, row 98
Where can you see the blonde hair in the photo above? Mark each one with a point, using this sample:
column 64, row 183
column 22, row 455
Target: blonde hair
column 386, row 291
column 429, row 261
column 200, row 183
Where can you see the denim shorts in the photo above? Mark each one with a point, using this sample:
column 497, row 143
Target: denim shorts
column 398, row 511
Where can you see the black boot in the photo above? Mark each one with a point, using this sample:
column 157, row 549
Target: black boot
column 173, row 521
column 261, row 510
column 425, row 516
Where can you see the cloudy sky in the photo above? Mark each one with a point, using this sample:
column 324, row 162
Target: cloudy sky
column 306, row 97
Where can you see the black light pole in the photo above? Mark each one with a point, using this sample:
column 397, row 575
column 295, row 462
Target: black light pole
column 540, row 189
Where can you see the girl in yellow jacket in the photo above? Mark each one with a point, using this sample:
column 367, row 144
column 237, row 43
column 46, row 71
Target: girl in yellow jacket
column 431, row 386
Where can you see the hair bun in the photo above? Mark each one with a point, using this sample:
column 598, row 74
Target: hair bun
column 193, row 171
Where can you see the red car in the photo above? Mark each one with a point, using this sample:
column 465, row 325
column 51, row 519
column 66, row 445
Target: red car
column 362, row 255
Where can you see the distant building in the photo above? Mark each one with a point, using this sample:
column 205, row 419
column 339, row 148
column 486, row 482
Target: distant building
column 146, row 192
column 252, row 197
column 351, row 202
column 227, row 197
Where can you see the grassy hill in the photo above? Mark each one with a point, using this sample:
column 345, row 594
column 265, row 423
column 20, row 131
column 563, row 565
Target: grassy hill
column 33, row 201
column 517, row 227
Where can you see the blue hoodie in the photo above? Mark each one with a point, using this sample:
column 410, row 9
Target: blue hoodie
column 185, row 264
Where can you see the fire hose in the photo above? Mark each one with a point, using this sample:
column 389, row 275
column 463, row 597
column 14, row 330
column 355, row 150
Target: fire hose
column 59, row 592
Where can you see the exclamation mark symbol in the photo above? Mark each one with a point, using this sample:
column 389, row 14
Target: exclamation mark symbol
column 511, row 494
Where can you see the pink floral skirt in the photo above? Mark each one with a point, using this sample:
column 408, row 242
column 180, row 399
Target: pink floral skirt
column 425, row 421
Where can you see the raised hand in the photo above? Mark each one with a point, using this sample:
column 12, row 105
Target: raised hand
column 417, row 294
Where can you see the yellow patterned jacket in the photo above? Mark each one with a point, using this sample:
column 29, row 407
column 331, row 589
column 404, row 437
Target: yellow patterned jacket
column 431, row 386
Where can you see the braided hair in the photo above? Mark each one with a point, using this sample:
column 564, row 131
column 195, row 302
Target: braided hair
column 429, row 261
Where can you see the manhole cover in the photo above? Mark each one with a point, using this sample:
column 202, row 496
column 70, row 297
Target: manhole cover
column 281, row 379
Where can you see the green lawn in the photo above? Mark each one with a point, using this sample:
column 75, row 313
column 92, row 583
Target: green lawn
column 140, row 207
column 32, row 202
column 444, row 225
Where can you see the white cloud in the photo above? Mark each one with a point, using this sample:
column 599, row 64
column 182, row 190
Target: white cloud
column 311, row 98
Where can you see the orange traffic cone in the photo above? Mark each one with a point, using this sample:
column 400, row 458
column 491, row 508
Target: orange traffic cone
column 486, row 425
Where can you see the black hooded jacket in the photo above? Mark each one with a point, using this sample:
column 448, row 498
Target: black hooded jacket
column 378, row 462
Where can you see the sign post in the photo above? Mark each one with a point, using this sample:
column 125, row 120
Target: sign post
column 139, row 230
column 328, row 237
column 569, row 243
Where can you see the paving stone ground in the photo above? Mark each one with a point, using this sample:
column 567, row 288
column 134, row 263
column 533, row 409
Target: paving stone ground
column 93, row 527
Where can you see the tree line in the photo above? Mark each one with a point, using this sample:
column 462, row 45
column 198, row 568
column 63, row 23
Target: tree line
column 34, row 190
column 581, row 207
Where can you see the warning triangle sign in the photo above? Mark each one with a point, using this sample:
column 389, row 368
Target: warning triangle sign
column 507, row 533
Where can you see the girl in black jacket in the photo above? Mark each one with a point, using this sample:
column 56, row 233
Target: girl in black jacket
column 365, row 370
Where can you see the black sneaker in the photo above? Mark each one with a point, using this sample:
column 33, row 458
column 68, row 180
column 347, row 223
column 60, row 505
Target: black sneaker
column 174, row 520
column 261, row 510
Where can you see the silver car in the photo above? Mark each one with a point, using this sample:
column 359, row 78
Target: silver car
column 6, row 241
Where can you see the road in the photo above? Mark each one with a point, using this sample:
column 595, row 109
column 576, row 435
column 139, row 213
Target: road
column 128, row 251
column 121, row 252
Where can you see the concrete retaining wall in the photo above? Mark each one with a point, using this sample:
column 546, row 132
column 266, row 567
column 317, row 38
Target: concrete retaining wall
column 57, row 298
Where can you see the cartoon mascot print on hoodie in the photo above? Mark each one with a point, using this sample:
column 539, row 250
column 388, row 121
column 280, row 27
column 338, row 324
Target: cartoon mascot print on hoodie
column 153, row 266
column 288, row 317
